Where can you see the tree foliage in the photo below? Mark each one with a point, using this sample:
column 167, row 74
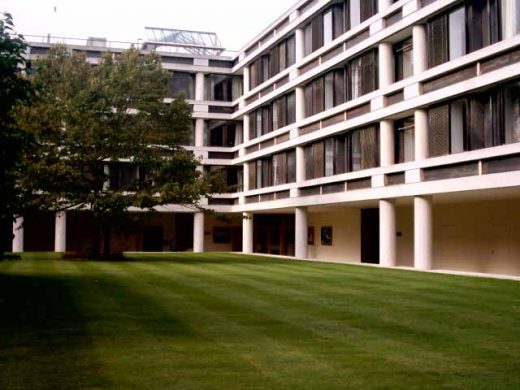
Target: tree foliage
column 86, row 118
column 14, row 90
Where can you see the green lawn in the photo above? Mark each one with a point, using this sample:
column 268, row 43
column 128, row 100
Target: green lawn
column 226, row 321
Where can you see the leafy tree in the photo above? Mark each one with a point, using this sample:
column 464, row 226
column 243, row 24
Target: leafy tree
column 87, row 118
column 14, row 89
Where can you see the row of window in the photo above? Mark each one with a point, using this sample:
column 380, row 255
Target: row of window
column 357, row 78
column 477, row 24
column 275, row 115
column 322, row 29
column 479, row 120
column 335, row 20
column 222, row 134
column 273, row 170
column 217, row 87
column 280, row 57
column 349, row 152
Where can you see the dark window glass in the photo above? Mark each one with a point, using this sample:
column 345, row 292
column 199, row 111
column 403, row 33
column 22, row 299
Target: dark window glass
column 480, row 120
column 403, row 52
column 404, row 140
column 182, row 83
column 451, row 35
column 362, row 75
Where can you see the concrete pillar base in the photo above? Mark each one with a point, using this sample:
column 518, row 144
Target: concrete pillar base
column 198, row 232
column 423, row 233
column 387, row 233
column 300, row 238
column 247, row 233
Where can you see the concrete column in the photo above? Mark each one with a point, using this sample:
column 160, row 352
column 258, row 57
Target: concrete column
column 199, row 86
column 423, row 232
column 199, row 132
column 246, row 127
column 300, row 104
column 246, row 80
column 18, row 235
column 382, row 5
column 247, row 185
column 198, row 232
column 421, row 135
column 386, row 64
column 387, row 233
column 60, row 232
column 300, row 237
column 247, row 233
column 300, row 164
column 299, row 43
column 387, row 144
column 420, row 49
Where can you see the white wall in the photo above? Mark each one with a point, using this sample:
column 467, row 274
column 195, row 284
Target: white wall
column 346, row 235
column 478, row 237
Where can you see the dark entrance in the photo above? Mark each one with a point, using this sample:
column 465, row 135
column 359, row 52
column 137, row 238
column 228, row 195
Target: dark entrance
column 236, row 239
column 370, row 236
column 183, row 239
column 274, row 234
column 153, row 238
column 39, row 232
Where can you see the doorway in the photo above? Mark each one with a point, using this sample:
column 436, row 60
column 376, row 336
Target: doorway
column 370, row 236
column 153, row 238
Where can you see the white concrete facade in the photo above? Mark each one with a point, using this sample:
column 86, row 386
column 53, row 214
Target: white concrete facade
column 407, row 193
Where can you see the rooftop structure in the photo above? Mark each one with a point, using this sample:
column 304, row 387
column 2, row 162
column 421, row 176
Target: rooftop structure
column 182, row 41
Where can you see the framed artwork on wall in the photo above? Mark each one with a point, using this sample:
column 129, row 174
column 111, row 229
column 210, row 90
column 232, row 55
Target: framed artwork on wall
column 326, row 235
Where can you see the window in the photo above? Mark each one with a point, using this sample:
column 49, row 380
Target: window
column 362, row 149
column 280, row 113
column 480, row 120
column 123, row 176
column 335, row 20
column 328, row 29
column 353, row 151
column 358, row 11
column 355, row 13
column 509, row 18
column 222, row 88
column 230, row 175
column 284, row 111
column 404, row 140
column 457, row 43
column 362, row 75
column 512, row 113
column 464, row 30
column 274, row 170
column 325, row 92
column 483, row 23
column 280, row 57
column 329, row 157
column 291, row 166
column 182, row 83
column 403, row 54
column 221, row 134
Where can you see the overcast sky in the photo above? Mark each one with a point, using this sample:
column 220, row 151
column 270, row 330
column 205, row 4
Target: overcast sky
column 235, row 21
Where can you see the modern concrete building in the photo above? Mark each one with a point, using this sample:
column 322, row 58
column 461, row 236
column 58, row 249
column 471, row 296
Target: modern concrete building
column 372, row 131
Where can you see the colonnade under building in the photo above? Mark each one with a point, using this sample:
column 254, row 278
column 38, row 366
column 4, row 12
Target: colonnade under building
column 477, row 234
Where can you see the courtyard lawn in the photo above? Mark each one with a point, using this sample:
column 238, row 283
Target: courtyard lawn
column 225, row 321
